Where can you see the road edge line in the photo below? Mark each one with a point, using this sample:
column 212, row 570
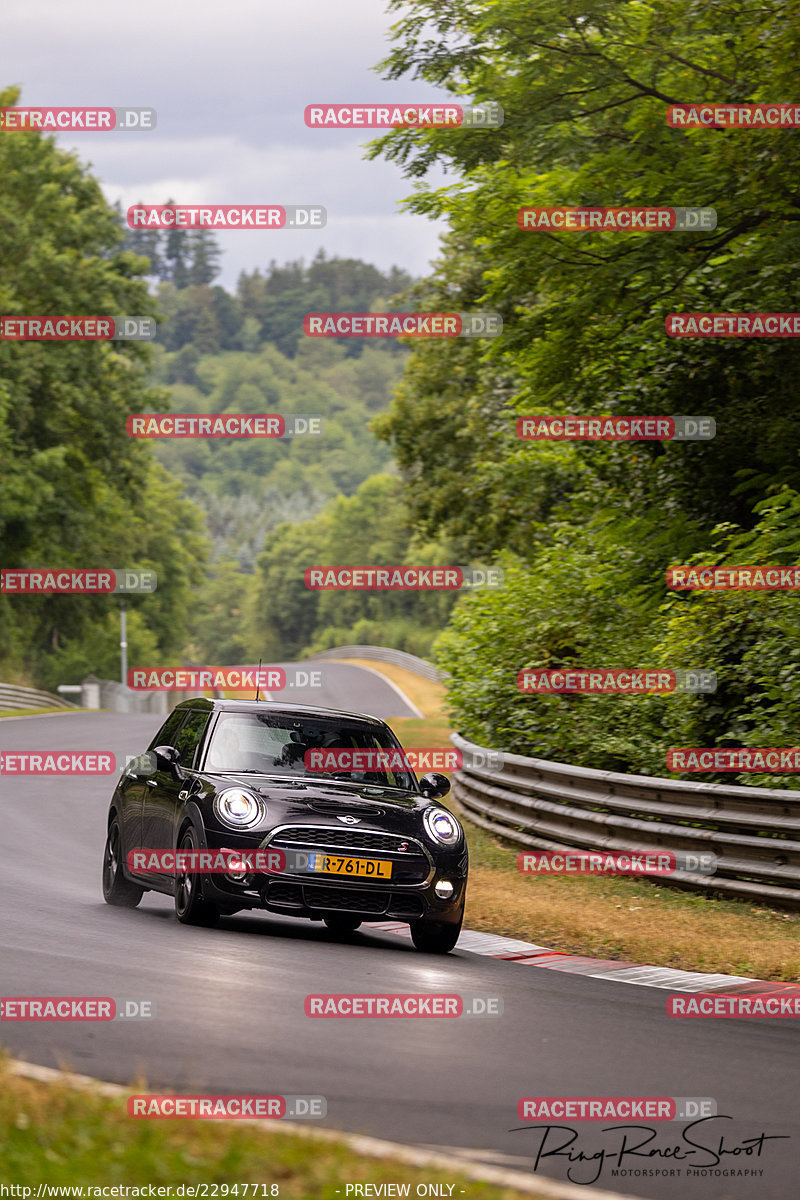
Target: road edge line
column 350, row 662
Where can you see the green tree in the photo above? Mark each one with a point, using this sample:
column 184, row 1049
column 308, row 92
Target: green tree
column 204, row 254
column 367, row 528
column 585, row 89
column 75, row 489
column 176, row 255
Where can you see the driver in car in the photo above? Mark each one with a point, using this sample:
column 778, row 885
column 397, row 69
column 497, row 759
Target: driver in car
column 226, row 754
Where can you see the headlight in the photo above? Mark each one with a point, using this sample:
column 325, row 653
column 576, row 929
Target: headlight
column 442, row 826
column 238, row 809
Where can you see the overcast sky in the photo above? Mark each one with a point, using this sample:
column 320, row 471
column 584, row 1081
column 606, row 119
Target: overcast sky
column 230, row 82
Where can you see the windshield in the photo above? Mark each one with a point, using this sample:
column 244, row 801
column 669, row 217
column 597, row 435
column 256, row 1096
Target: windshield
column 315, row 747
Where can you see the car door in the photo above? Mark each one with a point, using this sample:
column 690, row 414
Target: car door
column 136, row 785
column 165, row 802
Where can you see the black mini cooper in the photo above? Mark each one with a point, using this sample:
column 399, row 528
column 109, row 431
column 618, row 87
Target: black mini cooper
column 239, row 775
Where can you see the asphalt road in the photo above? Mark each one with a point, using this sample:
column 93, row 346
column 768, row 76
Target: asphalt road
column 332, row 684
column 230, row 1018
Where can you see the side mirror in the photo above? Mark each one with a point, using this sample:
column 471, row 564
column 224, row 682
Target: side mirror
column 434, row 786
column 168, row 759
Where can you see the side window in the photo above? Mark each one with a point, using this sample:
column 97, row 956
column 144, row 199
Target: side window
column 169, row 730
column 190, row 735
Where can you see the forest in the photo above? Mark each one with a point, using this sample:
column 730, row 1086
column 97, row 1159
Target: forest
column 421, row 461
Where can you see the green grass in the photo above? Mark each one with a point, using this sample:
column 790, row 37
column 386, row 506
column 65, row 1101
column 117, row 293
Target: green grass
column 614, row 917
column 627, row 919
column 27, row 712
column 53, row 1134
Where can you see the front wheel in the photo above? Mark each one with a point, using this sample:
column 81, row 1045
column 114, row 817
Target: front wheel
column 342, row 924
column 431, row 937
column 117, row 890
column 190, row 907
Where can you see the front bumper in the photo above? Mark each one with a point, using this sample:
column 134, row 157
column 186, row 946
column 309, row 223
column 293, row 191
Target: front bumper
column 408, row 895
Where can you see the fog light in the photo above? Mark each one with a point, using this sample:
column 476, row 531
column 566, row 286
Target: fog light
column 237, row 876
column 238, row 869
column 444, row 889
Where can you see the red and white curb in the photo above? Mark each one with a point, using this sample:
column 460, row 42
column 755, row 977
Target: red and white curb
column 531, row 955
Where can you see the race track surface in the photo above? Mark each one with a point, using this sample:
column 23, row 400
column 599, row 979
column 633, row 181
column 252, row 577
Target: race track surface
column 229, row 1004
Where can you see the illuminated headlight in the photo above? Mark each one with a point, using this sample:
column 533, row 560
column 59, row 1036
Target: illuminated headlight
column 238, row 809
column 442, row 826
column 444, row 889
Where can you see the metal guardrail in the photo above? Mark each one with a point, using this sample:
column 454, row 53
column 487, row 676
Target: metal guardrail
column 420, row 666
column 544, row 805
column 23, row 697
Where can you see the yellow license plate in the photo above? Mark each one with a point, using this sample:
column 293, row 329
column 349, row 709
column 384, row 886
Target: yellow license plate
column 356, row 868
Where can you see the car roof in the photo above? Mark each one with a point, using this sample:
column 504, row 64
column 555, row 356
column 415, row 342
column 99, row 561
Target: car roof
column 206, row 704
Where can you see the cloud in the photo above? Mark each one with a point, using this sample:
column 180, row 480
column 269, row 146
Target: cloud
column 230, row 83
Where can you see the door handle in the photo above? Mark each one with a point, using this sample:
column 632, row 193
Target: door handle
column 151, row 782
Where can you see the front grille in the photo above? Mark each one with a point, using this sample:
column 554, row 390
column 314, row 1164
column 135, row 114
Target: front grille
column 286, row 894
column 320, row 897
column 356, row 839
column 406, row 906
column 352, row 899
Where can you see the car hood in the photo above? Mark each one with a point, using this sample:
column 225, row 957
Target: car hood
column 314, row 796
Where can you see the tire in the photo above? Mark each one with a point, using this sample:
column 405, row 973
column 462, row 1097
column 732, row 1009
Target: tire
column 342, row 924
column 117, row 890
column 190, row 907
column 433, row 938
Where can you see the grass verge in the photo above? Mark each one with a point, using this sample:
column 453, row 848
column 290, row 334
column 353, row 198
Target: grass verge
column 56, row 1134
column 610, row 917
column 36, row 712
